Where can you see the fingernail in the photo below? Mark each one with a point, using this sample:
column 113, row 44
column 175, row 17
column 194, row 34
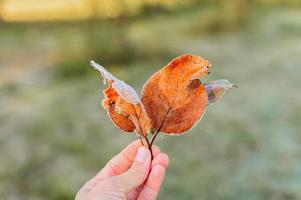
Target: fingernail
column 141, row 154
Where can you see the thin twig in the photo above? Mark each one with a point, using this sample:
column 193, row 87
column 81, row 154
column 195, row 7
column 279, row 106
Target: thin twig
column 154, row 137
column 145, row 137
column 141, row 140
column 149, row 147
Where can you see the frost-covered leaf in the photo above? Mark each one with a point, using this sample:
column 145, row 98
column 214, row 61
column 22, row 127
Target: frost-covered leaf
column 174, row 97
column 123, row 104
column 216, row 89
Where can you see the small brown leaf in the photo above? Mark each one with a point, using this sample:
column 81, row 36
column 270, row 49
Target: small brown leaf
column 216, row 89
column 123, row 104
column 122, row 121
column 173, row 97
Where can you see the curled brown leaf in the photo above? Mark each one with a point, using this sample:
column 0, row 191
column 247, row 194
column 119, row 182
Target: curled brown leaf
column 123, row 104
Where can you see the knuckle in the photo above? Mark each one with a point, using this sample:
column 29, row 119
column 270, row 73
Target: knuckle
column 148, row 194
column 115, row 168
column 138, row 168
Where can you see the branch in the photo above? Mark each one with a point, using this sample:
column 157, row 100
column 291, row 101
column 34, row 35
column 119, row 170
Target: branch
column 154, row 137
column 141, row 140
column 149, row 146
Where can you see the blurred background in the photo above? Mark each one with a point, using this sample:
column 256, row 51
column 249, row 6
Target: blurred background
column 54, row 135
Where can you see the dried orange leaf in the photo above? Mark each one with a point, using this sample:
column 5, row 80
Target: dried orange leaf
column 123, row 104
column 173, row 97
column 123, row 89
column 122, row 121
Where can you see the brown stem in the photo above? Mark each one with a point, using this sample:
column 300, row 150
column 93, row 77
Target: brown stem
column 154, row 137
column 141, row 140
column 149, row 147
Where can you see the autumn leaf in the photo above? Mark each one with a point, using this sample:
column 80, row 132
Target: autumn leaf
column 123, row 104
column 216, row 89
column 121, row 120
column 174, row 97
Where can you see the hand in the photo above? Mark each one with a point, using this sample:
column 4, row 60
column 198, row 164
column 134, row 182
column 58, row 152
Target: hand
column 129, row 175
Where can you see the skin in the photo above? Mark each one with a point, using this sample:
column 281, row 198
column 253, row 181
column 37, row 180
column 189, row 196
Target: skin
column 129, row 175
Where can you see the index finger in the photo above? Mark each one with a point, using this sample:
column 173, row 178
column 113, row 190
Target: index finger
column 122, row 161
column 116, row 165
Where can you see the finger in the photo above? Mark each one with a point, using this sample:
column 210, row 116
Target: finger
column 117, row 164
column 137, row 173
column 122, row 161
column 155, row 150
column 132, row 195
column 153, row 183
column 161, row 159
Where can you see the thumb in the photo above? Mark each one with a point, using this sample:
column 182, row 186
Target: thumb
column 137, row 173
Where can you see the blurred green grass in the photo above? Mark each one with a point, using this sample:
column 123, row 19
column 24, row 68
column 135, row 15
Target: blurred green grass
column 55, row 135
